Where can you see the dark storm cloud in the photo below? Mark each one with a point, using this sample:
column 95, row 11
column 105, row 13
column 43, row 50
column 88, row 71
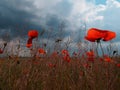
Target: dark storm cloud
column 19, row 16
column 15, row 18
column 53, row 21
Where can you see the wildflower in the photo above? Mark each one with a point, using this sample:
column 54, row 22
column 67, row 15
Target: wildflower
column 95, row 34
column 1, row 51
column 65, row 52
column 90, row 55
column 66, row 58
column 33, row 33
column 28, row 45
column 109, row 35
column 107, row 58
column 41, row 51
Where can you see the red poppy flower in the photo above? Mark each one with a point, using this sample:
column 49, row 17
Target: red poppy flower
column 65, row 52
column 1, row 51
column 94, row 34
column 107, row 58
column 42, row 51
column 109, row 35
column 28, row 45
column 66, row 58
column 90, row 55
column 33, row 33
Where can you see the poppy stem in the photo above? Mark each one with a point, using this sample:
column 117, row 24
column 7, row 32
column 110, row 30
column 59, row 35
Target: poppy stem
column 98, row 41
column 5, row 44
column 101, row 48
column 97, row 50
column 4, row 48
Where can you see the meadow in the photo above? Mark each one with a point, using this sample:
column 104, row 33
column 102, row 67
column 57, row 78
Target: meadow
column 61, row 70
column 56, row 74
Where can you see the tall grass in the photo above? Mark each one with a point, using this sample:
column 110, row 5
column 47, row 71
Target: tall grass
column 55, row 74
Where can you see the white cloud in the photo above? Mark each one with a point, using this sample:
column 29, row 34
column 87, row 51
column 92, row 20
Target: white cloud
column 41, row 4
column 107, row 16
column 112, row 3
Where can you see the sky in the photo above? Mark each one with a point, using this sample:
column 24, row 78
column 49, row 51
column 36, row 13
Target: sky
column 19, row 16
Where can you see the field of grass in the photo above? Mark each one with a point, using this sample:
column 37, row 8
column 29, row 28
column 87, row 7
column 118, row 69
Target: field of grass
column 58, row 68
column 50, row 73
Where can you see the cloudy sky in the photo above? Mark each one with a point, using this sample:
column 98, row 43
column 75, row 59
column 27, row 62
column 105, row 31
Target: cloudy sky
column 19, row 16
